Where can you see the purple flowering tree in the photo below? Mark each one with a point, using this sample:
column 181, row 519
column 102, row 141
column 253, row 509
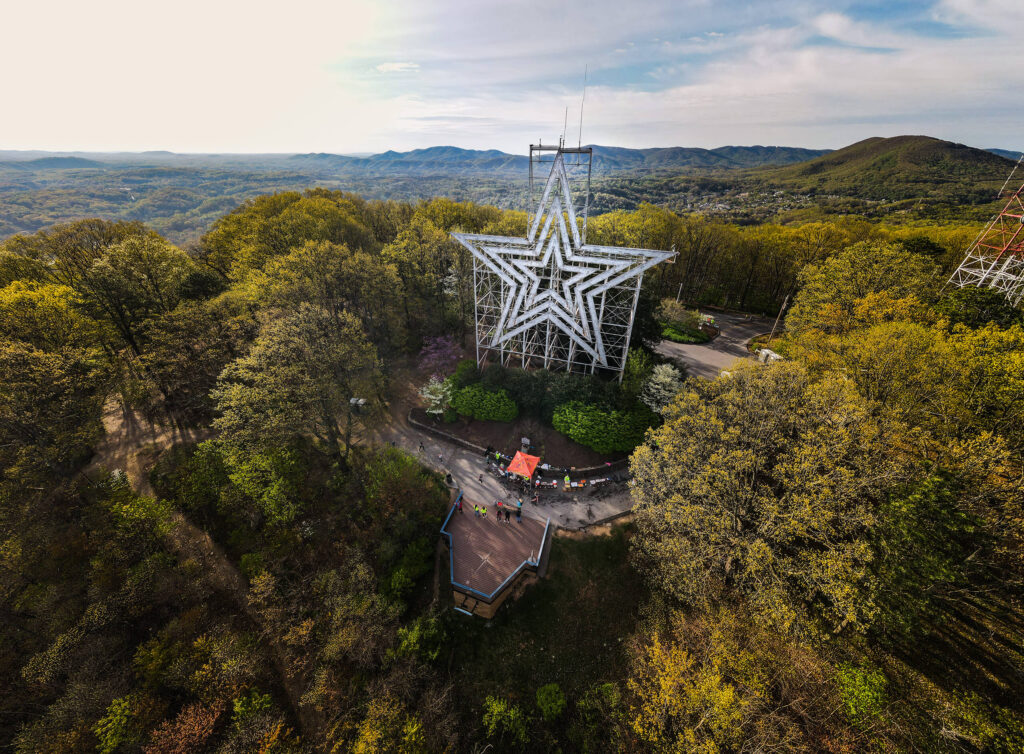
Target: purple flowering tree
column 439, row 354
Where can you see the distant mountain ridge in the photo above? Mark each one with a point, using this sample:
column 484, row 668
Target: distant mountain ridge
column 455, row 160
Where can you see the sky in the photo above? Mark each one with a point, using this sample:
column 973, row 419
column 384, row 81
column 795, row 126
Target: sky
column 349, row 77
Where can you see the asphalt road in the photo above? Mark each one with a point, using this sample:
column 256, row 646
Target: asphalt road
column 709, row 359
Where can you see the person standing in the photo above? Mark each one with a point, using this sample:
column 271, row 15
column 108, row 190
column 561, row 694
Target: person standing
column 460, row 503
column 483, row 513
column 476, row 511
column 508, row 515
column 498, row 511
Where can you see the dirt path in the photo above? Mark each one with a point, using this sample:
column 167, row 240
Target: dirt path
column 133, row 446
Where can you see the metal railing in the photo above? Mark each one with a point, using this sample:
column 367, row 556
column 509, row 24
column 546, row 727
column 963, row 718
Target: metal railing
column 451, row 559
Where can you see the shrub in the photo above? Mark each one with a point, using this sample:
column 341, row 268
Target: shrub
column 465, row 373
column 551, row 701
column 503, row 718
column 439, row 354
column 249, row 705
column 604, row 430
column 670, row 332
column 862, row 689
column 423, row 639
column 485, row 405
column 251, row 564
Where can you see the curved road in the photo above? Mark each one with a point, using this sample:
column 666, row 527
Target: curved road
column 709, row 359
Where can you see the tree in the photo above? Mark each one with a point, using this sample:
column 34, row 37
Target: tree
column 766, row 483
column 661, row 387
column 301, row 377
column 635, row 373
column 830, row 290
column 715, row 682
column 50, row 410
column 337, row 278
column 976, row 307
column 271, row 226
column 437, row 394
column 46, row 316
column 425, row 257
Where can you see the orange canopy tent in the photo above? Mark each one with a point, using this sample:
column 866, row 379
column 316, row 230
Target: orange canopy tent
column 523, row 464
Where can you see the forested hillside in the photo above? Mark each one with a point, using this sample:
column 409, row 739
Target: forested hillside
column 825, row 553
column 903, row 179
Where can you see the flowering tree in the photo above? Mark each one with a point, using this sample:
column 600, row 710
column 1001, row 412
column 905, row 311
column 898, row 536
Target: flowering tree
column 437, row 394
column 661, row 387
column 439, row 354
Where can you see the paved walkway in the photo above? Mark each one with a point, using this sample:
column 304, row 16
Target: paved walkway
column 709, row 359
column 470, row 474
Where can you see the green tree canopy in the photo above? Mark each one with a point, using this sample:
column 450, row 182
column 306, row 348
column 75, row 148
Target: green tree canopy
column 299, row 378
column 765, row 482
column 829, row 291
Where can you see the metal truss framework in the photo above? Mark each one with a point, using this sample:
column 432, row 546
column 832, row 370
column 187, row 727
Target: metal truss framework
column 551, row 300
column 996, row 258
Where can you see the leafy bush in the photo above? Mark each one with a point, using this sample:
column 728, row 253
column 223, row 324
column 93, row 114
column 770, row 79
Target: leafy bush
column 465, row 373
column 251, row 564
column 503, row 718
column 604, row 430
column 551, row 701
column 862, row 689
column 670, row 332
column 421, row 639
column 249, row 705
column 415, row 561
column 485, row 405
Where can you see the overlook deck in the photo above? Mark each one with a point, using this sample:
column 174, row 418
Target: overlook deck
column 486, row 556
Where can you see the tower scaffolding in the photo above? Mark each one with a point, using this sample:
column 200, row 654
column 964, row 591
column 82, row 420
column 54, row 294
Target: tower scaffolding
column 996, row 257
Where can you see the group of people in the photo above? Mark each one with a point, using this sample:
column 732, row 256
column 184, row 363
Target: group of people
column 503, row 512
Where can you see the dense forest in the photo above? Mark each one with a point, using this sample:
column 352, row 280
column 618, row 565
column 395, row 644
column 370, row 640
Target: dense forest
column 825, row 553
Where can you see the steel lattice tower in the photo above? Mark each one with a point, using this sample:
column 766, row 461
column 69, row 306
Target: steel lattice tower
column 550, row 300
column 996, row 258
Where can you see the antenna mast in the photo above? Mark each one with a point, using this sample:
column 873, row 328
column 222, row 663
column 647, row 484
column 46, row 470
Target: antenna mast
column 586, row 69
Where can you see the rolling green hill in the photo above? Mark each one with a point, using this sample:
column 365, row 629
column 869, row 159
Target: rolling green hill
column 898, row 168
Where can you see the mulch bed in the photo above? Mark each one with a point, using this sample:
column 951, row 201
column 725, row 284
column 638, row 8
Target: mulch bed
column 553, row 447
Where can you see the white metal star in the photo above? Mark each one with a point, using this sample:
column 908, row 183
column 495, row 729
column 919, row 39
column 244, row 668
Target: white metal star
column 551, row 276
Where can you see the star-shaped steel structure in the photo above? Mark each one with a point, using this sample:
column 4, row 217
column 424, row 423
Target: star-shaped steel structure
column 550, row 298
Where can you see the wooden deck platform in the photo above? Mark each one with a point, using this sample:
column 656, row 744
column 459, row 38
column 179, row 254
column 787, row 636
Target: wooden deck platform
column 484, row 553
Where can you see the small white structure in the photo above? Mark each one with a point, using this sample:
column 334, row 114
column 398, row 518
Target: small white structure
column 767, row 356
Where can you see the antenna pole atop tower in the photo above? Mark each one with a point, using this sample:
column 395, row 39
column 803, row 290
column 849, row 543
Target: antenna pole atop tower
column 586, row 69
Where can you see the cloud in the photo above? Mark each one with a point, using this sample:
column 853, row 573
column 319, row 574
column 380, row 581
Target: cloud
column 397, row 67
column 337, row 76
